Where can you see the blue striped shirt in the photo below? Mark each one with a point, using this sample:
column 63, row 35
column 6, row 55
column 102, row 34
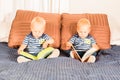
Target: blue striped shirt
column 34, row 46
column 80, row 43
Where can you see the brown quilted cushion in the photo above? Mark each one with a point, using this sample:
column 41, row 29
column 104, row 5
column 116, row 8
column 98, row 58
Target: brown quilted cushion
column 20, row 26
column 100, row 28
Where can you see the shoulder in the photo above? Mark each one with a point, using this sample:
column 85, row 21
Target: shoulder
column 29, row 35
column 45, row 36
column 76, row 36
column 90, row 36
column 92, row 39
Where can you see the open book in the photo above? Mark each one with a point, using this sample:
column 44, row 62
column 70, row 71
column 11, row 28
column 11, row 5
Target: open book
column 85, row 56
column 43, row 54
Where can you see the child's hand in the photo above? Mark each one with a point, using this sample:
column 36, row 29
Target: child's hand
column 45, row 44
column 50, row 41
column 68, row 45
column 22, row 47
column 88, row 54
column 19, row 50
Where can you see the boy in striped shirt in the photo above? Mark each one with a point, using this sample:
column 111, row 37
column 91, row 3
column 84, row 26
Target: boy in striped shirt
column 35, row 46
column 83, row 43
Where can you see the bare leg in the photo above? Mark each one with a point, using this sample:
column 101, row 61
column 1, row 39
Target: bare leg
column 91, row 59
column 21, row 59
column 54, row 54
column 72, row 54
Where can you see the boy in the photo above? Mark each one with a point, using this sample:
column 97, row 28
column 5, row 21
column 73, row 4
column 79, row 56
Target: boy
column 36, row 43
column 83, row 42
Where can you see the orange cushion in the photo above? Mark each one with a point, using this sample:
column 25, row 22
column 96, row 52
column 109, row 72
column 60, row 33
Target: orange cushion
column 100, row 28
column 21, row 27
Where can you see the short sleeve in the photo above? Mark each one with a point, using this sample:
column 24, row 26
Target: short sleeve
column 26, row 40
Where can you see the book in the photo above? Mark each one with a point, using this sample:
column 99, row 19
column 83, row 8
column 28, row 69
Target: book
column 43, row 54
column 76, row 55
column 85, row 56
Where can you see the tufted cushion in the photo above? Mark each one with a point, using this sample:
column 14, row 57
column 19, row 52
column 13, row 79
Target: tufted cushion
column 100, row 28
column 21, row 26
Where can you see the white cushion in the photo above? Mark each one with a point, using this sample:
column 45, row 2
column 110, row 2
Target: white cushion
column 5, row 27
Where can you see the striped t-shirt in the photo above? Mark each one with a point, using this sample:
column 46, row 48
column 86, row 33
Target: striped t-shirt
column 34, row 46
column 80, row 43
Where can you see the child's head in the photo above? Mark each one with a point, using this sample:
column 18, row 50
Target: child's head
column 83, row 27
column 38, row 26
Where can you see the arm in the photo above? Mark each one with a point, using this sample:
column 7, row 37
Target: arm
column 96, row 47
column 46, row 43
column 90, row 52
column 68, row 45
column 21, row 48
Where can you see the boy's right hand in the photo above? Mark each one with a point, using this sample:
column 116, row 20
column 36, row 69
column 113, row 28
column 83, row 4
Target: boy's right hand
column 19, row 51
column 21, row 48
column 45, row 45
column 68, row 45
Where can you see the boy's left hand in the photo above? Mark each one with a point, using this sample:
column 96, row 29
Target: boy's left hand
column 45, row 44
column 88, row 53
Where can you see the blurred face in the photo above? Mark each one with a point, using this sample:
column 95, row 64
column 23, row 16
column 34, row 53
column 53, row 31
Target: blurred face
column 83, row 31
column 37, row 30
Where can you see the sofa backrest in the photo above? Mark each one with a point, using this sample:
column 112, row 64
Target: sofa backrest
column 100, row 28
column 60, row 27
column 21, row 26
